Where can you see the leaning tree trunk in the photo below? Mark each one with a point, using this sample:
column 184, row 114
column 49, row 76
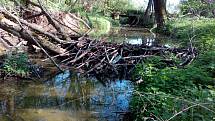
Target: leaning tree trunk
column 148, row 9
column 160, row 8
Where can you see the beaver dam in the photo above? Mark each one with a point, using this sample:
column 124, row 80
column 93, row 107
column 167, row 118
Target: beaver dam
column 59, row 40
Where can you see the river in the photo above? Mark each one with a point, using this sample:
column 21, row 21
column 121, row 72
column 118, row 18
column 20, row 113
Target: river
column 65, row 97
column 68, row 96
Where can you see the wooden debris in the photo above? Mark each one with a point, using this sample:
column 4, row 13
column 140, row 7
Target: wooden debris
column 86, row 55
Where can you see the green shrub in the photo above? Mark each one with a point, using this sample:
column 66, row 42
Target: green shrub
column 16, row 64
column 206, row 61
column 166, row 91
column 198, row 7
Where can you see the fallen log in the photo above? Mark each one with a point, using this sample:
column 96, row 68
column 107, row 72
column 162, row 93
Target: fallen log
column 35, row 27
column 53, row 22
column 16, row 30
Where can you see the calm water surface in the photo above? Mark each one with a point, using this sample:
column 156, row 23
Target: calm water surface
column 138, row 36
column 65, row 97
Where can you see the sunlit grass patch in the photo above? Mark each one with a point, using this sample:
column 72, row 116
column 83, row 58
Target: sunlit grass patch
column 200, row 30
column 100, row 25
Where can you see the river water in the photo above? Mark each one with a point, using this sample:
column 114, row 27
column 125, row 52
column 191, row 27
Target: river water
column 65, row 97
column 68, row 96
column 137, row 36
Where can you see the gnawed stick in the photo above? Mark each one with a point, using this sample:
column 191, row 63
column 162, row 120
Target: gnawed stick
column 98, row 64
column 68, row 26
column 15, row 29
column 63, row 54
column 112, row 65
column 137, row 57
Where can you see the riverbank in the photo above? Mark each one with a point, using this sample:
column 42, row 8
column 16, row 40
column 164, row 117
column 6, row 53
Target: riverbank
column 186, row 93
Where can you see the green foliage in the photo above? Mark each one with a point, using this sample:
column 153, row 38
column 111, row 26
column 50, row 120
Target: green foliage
column 16, row 64
column 119, row 5
column 101, row 25
column 201, row 30
column 58, row 5
column 6, row 3
column 166, row 91
column 206, row 61
column 103, row 7
column 198, row 7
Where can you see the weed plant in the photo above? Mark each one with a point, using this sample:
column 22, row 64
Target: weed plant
column 16, row 64
column 176, row 94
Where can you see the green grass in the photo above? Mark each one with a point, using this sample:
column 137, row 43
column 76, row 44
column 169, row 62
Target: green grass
column 100, row 25
column 189, row 91
column 200, row 30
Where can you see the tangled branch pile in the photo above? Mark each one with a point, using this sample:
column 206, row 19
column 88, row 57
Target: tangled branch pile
column 54, row 33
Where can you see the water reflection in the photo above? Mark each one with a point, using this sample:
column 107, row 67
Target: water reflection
column 66, row 97
column 136, row 36
column 136, row 40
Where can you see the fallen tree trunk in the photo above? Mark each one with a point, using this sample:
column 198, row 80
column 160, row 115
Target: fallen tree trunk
column 16, row 30
column 53, row 22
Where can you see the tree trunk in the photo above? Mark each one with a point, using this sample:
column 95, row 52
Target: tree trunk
column 160, row 8
column 148, row 9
